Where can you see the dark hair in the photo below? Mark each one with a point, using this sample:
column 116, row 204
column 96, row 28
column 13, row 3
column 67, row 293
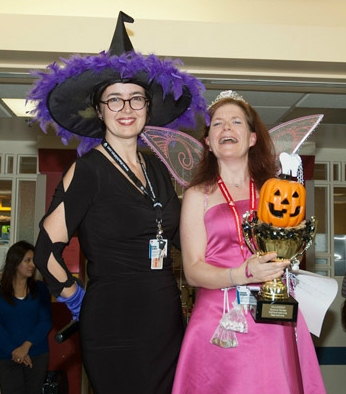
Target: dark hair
column 262, row 160
column 14, row 257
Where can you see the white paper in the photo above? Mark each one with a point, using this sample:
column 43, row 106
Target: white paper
column 315, row 293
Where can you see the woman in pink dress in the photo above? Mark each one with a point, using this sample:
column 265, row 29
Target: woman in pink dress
column 238, row 157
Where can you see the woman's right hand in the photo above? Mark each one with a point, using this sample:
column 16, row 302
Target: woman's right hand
column 258, row 269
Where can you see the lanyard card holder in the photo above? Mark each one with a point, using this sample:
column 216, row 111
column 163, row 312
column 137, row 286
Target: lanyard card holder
column 157, row 252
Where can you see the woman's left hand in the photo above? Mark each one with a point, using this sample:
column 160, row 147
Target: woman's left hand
column 260, row 269
column 27, row 361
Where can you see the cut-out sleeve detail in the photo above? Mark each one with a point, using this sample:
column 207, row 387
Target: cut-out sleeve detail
column 77, row 199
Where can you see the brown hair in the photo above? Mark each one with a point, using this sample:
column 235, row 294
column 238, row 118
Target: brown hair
column 262, row 160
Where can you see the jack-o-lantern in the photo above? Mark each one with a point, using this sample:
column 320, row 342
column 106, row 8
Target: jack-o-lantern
column 281, row 203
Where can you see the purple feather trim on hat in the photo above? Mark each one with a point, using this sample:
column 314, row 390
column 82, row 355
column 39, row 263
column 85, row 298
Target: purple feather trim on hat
column 162, row 72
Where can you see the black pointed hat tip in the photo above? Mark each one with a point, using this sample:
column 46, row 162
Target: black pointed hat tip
column 121, row 42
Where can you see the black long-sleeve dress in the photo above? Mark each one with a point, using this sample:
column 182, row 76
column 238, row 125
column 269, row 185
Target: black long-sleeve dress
column 131, row 324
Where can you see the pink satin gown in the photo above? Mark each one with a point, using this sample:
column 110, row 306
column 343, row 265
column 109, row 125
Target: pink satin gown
column 270, row 358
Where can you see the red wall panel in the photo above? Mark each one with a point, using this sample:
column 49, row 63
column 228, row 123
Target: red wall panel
column 65, row 356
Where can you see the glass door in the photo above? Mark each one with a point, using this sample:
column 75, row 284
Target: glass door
column 5, row 210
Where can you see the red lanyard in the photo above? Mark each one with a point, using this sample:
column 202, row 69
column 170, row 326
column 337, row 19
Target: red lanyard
column 234, row 210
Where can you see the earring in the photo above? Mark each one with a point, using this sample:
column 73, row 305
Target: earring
column 101, row 118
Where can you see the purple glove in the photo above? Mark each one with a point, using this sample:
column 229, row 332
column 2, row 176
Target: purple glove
column 74, row 302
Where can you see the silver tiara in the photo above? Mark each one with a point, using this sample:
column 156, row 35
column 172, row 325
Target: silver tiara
column 227, row 94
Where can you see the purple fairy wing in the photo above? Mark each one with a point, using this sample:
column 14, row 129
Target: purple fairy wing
column 289, row 136
column 178, row 151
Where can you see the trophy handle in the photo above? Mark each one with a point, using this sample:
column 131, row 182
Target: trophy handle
column 247, row 226
column 313, row 225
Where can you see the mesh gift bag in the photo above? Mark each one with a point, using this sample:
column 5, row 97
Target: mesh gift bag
column 236, row 318
column 224, row 336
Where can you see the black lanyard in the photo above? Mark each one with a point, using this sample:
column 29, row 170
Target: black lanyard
column 156, row 204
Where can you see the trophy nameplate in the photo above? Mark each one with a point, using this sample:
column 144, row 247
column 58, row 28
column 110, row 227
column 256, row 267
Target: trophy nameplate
column 278, row 310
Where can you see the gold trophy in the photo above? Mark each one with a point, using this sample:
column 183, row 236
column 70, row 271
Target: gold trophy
column 278, row 226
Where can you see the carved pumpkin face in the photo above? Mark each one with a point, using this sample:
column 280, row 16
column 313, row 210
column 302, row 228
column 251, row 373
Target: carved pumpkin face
column 281, row 203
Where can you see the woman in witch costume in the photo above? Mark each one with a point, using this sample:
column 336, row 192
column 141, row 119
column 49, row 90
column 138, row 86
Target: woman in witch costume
column 125, row 210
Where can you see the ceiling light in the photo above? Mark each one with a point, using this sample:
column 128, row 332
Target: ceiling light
column 18, row 106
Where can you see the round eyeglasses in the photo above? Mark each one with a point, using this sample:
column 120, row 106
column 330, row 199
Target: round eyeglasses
column 116, row 104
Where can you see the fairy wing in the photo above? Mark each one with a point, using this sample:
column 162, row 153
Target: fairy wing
column 289, row 136
column 179, row 151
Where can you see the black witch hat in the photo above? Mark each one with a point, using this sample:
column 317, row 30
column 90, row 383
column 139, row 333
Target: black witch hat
column 64, row 94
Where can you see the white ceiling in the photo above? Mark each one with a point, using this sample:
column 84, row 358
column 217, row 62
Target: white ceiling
column 284, row 64
column 275, row 101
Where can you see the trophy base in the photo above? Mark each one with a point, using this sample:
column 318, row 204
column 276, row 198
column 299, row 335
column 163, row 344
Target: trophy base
column 268, row 311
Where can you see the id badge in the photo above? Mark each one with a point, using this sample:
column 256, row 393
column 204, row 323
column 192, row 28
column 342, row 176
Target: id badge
column 157, row 252
column 244, row 296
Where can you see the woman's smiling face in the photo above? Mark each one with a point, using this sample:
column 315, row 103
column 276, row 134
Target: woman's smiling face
column 128, row 122
column 229, row 133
